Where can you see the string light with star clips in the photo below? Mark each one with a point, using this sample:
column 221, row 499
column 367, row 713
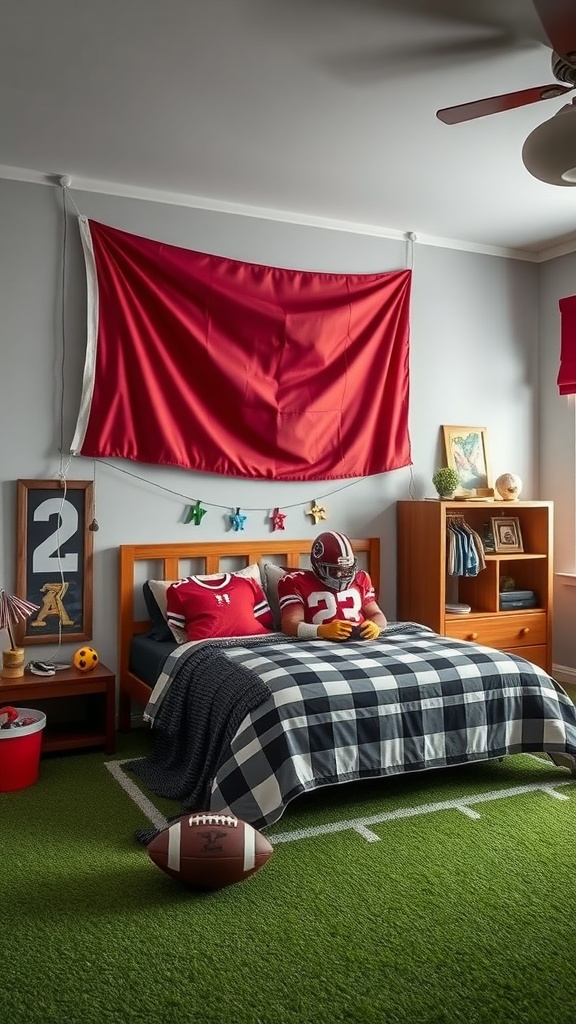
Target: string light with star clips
column 194, row 511
column 237, row 520
column 277, row 518
column 195, row 514
column 317, row 512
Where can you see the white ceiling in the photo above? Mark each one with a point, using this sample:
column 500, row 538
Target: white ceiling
column 311, row 108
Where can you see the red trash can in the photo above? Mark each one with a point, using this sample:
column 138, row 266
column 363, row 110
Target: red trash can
column 20, row 751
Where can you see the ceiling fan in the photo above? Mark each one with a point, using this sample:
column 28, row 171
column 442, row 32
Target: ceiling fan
column 549, row 152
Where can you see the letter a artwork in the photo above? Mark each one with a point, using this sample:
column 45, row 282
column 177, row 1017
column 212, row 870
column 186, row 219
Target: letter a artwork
column 52, row 604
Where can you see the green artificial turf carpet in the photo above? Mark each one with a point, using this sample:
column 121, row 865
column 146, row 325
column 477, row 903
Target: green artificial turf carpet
column 444, row 897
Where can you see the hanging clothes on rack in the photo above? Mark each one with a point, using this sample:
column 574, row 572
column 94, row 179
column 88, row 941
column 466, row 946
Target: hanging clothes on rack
column 465, row 550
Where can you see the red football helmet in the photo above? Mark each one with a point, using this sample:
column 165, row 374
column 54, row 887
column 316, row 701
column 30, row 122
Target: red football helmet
column 333, row 560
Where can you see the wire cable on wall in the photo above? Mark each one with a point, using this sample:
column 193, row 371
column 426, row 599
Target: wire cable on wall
column 212, row 504
column 64, row 465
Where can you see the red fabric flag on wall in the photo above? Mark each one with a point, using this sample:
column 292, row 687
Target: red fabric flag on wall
column 221, row 366
column 567, row 372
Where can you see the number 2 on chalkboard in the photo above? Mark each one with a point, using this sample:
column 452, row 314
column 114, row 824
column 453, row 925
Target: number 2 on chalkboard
column 54, row 569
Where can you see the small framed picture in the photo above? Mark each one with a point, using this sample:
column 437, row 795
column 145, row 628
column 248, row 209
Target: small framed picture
column 507, row 535
column 467, row 453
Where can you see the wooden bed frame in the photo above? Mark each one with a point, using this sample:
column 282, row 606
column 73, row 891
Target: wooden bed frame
column 211, row 557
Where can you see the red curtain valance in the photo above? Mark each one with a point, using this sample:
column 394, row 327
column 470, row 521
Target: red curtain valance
column 235, row 368
column 567, row 372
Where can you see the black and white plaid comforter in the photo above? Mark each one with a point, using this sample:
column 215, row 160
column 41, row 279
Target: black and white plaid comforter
column 335, row 712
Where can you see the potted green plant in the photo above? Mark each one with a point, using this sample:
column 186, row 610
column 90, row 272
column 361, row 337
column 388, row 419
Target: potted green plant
column 445, row 481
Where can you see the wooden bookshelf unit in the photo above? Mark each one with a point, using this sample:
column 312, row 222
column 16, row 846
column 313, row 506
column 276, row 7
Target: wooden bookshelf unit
column 424, row 586
column 97, row 725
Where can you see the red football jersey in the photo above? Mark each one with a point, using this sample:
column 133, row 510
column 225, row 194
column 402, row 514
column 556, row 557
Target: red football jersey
column 322, row 604
column 227, row 606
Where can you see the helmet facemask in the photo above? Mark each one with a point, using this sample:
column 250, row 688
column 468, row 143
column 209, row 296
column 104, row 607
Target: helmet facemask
column 338, row 577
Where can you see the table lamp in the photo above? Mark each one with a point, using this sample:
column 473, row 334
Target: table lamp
column 12, row 611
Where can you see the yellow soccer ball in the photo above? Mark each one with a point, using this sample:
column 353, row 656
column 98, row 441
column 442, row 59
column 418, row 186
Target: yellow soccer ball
column 85, row 659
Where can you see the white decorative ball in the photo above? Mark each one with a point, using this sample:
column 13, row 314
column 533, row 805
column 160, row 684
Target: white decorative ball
column 509, row 486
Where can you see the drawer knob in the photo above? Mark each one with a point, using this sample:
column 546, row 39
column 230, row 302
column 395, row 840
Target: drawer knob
column 525, row 630
column 473, row 636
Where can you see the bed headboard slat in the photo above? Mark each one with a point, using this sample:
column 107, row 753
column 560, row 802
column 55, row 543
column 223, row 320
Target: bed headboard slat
column 171, row 569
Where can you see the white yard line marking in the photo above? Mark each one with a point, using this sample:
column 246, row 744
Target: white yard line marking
column 358, row 825
column 461, row 804
column 467, row 811
column 136, row 794
column 552, row 792
column 367, row 834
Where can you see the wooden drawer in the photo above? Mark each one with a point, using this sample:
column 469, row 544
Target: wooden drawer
column 537, row 655
column 506, row 631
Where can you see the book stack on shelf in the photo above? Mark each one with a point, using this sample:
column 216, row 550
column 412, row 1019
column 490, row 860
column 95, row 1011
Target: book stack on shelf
column 458, row 608
column 512, row 599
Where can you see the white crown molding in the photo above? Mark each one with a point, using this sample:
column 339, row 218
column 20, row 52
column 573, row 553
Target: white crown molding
column 557, row 250
column 221, row 206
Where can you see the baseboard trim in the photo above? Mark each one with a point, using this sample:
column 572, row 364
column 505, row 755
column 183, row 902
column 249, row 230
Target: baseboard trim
column 564, row 674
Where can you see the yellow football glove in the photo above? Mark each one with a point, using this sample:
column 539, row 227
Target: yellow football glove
column 369, row 630
column 339, row 630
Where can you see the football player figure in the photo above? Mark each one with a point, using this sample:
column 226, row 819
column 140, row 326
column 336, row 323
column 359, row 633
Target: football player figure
column 332, row 601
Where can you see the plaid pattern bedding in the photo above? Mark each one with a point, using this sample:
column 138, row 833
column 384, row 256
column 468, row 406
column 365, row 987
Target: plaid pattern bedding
column 410, row 701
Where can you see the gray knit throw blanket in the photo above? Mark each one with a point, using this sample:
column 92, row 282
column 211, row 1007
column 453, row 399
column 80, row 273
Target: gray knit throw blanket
column 195, row 724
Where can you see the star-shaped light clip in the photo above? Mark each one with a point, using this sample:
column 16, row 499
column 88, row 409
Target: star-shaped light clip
column 278, row 518
column 195, row 514
column 317, row 511
column 237, row 520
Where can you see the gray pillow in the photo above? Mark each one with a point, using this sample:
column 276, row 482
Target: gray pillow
column 271, row 574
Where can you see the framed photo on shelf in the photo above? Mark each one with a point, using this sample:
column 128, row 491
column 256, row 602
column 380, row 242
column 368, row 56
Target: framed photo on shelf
column 507, row 535
column 55, row 559
column 467, row 453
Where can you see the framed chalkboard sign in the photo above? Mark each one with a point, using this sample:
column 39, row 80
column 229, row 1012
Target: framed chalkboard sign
column 54, row 568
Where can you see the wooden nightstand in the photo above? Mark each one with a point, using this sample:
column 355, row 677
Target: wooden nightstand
column 98, row 726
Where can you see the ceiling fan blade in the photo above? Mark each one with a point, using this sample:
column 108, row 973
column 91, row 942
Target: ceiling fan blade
column 385, row 61
column 494, row 104
column 558, row 19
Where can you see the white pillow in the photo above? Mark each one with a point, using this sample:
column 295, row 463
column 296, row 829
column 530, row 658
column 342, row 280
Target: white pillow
column 159, row 589
column 272, row 573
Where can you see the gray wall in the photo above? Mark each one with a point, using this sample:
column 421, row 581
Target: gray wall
column 474, row 360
